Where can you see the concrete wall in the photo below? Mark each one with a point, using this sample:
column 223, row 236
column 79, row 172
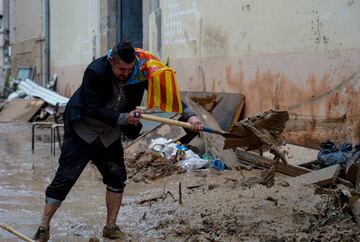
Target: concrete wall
column 107, row 25
column 26, row 35
column 152, row 26
column 301, row 56
column 74, row 40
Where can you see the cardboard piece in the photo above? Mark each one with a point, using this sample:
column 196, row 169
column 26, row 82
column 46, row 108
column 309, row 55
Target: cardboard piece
column 20, row 110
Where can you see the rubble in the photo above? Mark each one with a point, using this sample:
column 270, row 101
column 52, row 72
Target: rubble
column 150, row 166
column 30, row 99
column 262, row 198
column 20, row 110
column 232, row 206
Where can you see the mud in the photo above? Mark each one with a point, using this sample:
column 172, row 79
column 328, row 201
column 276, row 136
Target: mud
column 228, row 206
column 150, row 165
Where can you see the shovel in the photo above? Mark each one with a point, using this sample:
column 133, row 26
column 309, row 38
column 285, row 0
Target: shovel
column 178, row 123
column 14, row 232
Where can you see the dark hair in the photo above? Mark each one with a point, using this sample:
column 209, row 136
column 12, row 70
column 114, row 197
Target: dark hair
column 125, row 51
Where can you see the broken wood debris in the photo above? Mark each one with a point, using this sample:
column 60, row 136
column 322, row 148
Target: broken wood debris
column 20, row 110
column 161, row 196
column 252, row 158
column 320, row 177
column 227, row 110
column 180, row 193
column 268, row 125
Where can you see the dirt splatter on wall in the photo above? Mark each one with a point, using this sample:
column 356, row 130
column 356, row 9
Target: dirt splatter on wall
column 298, row 56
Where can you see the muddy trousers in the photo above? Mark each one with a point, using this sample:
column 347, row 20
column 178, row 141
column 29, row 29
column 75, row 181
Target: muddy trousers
column 75, row 154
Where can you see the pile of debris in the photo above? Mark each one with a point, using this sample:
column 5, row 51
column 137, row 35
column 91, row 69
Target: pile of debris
column 32, row 102
column 212, row 150
column 150, row 165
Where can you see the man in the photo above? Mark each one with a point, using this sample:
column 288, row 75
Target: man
column 101, row 109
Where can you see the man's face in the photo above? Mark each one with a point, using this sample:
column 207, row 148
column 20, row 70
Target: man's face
column 121, row 69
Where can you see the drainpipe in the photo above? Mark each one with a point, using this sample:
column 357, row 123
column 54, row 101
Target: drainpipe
column 119, row 16
column 47, row 41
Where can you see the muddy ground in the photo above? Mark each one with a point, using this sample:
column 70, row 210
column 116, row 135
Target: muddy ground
column 230, row 206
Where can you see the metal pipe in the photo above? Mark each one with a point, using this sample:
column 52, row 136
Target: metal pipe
column 118, row 16
column 47, row 41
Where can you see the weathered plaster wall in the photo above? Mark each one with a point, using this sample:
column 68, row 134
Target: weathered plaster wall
column 26, row 20
column 74, row 40
column 302, row 56
column 26, row 35
column 107, row 25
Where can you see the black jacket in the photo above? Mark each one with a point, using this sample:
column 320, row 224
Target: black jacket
column 96, row 91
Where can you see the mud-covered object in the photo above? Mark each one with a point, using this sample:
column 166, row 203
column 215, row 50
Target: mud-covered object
column 355, row 155
column 150, row 165
column 332, row 154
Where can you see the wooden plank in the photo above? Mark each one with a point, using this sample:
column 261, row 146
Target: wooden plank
column 20, row 110
column 256, row 131
column 295, row 155
column 320, row 177
column 239, row 109
column 256, row 159
column 227, row 111
column 150, row 125
column 288, row 169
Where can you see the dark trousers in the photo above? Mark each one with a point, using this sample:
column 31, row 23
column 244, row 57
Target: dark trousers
column 75, row 154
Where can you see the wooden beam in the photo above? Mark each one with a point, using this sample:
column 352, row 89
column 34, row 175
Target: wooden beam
column 291, row 170
column 320, row 177
column 256, row 159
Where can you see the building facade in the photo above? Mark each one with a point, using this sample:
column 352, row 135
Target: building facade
column 300, row 56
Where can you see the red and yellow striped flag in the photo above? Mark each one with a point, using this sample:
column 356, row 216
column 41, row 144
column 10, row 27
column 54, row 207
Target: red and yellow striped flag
column 163, row 92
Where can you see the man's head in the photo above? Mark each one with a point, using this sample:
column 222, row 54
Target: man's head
column 122, row 60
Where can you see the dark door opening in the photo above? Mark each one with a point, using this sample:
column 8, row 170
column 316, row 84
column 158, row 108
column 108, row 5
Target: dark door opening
column 129, row 25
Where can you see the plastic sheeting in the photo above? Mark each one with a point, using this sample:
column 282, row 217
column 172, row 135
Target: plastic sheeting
column 35, row 90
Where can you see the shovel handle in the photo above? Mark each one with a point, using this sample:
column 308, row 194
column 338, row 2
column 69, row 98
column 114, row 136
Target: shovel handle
column 165, row 120
column 14, row 232
column 178, row 123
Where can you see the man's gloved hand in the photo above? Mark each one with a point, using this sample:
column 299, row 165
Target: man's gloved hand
column 134, row 117
column 197, row 125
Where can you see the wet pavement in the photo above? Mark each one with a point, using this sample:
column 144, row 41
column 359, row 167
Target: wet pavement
column 23, row 180
column 230, row 206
